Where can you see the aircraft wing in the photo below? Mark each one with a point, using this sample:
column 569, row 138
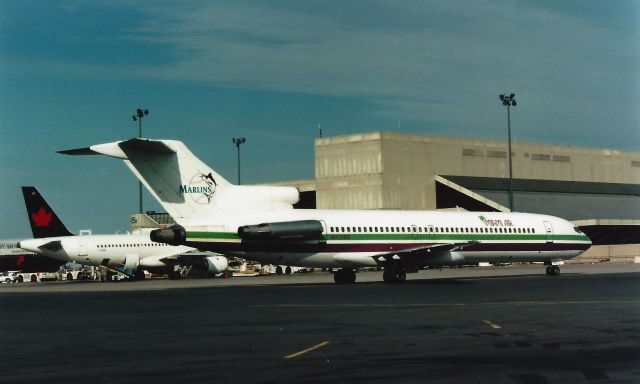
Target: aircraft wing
column 53, row 246
column 423, row 254
column 188, row 258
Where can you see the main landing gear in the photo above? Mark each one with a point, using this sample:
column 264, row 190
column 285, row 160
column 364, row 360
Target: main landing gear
column 553, row 270
column 344, row 276
column 394, row 274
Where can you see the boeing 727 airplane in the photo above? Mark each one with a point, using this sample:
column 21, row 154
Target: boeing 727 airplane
column 259, row 223
column 117, row 252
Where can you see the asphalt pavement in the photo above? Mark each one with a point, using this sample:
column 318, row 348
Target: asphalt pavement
column 501, row 325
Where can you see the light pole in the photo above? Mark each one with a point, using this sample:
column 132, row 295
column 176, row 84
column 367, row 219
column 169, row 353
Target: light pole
column 140, row 113
column 509, row 101
column 237, row 142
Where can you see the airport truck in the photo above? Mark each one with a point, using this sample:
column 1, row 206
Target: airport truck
column 36, row 277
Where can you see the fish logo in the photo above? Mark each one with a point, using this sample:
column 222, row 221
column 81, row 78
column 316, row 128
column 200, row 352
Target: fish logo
column 201, row 188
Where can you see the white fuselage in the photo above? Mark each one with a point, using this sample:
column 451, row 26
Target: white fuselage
column 129, row 251
column 355, row 238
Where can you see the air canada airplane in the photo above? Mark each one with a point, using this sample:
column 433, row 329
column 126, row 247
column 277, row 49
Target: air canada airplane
column 117, row 252
column 259, row 223
column 13, row 258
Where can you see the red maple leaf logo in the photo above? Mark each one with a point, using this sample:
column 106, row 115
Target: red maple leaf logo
column 42, row 218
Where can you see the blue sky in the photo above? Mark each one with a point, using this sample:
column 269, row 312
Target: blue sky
column 73, row 72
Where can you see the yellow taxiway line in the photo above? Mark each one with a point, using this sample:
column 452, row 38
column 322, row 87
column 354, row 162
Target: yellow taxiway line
column 492, row 325
column 293, row 355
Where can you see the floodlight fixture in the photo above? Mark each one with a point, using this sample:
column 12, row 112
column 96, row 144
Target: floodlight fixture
column 509, row 101
column 238, row 141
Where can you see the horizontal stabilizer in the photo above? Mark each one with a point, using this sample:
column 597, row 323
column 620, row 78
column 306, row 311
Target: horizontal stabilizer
column 146, row 146
column 80, row 151
column 52, row 246
column 123, row 149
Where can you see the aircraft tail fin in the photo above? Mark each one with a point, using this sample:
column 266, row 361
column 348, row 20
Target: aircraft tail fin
column 189, row 190
column 44, row 221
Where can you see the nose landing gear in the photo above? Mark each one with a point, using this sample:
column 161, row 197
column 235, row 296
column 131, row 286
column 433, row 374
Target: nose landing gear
column 553, row 270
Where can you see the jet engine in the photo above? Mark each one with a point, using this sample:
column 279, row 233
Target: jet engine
column 174, row 235
column 287, row 230
column 215, row 264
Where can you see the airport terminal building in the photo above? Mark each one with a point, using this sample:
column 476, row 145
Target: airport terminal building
column 598, row 189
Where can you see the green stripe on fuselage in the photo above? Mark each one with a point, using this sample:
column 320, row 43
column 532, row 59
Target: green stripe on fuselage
column 409, row 237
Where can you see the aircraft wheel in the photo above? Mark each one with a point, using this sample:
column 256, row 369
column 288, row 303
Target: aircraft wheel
column 69, row 276
column 344, row 276
column 400, row 275
column 278, row 270
column 287, row 270
column 553, row 270
column 34, row 278
column 394, row 275
column 173, row 275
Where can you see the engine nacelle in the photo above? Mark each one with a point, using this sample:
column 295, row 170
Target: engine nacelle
column 287, row 230
column 215, row 264
column 174, row 235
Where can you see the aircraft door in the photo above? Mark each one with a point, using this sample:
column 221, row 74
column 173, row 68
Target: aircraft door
column 549, row 231
column 414, row 231
column 82, row 249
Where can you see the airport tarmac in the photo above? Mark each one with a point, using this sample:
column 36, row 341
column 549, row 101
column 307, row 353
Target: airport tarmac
column 493, row 325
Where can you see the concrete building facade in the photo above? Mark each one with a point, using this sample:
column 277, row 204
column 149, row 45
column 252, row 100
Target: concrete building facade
column 384, row 170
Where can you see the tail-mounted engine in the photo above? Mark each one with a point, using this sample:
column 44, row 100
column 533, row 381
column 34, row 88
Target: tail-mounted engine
column 287, row 230
column 174, row 235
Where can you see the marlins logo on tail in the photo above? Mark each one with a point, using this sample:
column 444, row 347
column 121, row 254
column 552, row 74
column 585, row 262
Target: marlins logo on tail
column 190, row 191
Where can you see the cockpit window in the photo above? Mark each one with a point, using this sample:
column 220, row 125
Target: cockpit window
column 578, row 230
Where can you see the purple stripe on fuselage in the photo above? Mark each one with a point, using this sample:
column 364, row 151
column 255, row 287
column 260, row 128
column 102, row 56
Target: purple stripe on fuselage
column 378, row 247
